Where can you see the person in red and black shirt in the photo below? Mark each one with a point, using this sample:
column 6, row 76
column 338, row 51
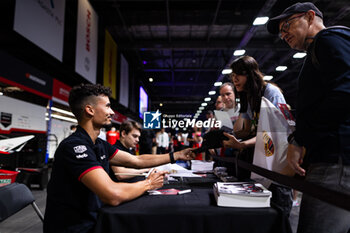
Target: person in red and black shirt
column 79, row 182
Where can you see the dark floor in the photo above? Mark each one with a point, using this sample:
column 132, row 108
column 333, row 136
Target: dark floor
column 27, row 221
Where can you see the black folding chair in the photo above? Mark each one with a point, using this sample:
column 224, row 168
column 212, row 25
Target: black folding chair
column 13, row 198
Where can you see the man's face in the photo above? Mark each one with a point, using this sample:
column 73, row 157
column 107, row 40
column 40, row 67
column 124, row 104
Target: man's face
column 219, row 104
column 132, row 138
column 228, row 96
column 102, row 111
column 294, row 30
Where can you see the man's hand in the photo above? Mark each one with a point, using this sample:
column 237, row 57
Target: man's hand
column 185, row 154
column 232, row 142
column 156, row 179
column 295, row 158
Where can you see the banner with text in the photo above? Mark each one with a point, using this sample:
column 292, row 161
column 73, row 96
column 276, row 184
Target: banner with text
column 42, row 22
column 110, row 64
column 86, row 47
column 21, row 116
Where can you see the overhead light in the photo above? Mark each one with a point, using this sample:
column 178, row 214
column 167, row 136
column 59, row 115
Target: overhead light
column 212, row 92
column 226, row 71
column 201, row 108
column 62, row 111
column 299, row 55
column 238, row 52
column 204, row 104
column 260, row 20
column 207, row 99
column 1, row 93
column 150, row 80
column 268, row 77
column 217, row 84
column 144, row 62
column 161, row 104
column 64, row 118
column 281, row 68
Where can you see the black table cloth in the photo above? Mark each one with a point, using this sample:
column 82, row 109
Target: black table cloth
column 191, row 212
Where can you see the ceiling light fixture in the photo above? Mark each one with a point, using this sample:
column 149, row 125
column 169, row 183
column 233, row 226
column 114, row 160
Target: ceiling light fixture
column 217, row 84
column 260, row 20
column 150, row 80
column 226, row 71
column 281, row 68
column 299, row 55
column 64, row 118
column 207, row 99
column 238, row 52
column 212, row 92
column 268, row 77
column 62, row 111
column 204, row 104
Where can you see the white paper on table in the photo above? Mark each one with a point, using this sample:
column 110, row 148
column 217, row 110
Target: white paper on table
column 176, row 170
column 198, row 165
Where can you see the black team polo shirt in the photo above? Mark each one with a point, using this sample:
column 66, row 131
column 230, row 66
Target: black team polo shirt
column 71, row 206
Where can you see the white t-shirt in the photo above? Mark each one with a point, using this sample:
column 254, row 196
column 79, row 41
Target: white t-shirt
column 273, row 94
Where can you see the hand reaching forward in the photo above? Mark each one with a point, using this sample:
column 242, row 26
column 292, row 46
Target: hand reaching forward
column 232, row 142
column 185, row 154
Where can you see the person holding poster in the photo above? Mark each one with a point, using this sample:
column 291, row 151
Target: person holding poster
column 251, row 88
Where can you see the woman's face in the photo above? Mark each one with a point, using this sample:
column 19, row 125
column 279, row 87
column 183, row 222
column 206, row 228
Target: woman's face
column 239, row 81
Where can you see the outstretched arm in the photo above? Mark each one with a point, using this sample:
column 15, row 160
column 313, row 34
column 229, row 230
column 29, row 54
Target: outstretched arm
column 123, row 158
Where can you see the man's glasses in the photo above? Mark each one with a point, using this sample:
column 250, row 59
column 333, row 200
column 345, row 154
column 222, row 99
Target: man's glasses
column 286, row 25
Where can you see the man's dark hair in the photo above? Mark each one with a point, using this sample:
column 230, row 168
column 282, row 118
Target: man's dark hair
column 80, row 95
column 127, row 126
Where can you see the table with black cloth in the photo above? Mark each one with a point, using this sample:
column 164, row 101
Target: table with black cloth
column 190, row 212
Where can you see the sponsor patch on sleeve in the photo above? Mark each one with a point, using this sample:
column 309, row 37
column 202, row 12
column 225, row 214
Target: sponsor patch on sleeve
column 79, row 149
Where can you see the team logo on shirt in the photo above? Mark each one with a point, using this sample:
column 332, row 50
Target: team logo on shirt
column 269, row 147
column 80, row 149
column 82, row 156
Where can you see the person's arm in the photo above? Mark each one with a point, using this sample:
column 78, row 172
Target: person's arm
column 113, row 193
column 119, row 169
column 295, row 158
column 242, row 127
column 232, row 142
column 123, row 158
column 332, row 53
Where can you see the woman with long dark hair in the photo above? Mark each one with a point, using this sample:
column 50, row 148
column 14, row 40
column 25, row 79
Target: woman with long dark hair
column 250, row 87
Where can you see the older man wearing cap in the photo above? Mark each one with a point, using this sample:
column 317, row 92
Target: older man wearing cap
column 323, row 112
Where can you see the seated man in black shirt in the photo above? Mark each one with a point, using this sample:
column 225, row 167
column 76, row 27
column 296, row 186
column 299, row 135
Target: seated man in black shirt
column 79, row 182
column 130, row 132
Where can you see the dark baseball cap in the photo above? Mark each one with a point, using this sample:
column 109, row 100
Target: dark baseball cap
column 273, row 24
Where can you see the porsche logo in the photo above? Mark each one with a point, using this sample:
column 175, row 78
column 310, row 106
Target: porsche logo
column 269, row 147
